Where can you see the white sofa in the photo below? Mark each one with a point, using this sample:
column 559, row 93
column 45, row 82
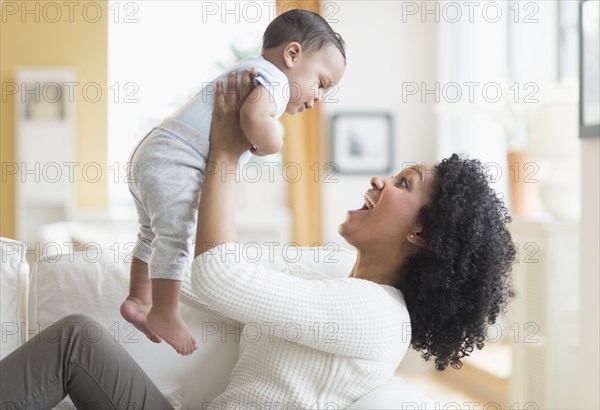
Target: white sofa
column 95, row 282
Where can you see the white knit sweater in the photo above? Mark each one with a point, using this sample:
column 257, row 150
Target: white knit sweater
column 309, row 341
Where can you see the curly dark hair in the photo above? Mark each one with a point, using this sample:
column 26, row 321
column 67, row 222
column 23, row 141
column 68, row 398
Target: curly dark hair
column 460, row 283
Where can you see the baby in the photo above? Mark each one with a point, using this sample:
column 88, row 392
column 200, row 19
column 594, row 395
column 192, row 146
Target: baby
column 302, row 57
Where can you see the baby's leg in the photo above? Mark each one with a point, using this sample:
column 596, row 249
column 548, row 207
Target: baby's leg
column 166, row 189
column 139, row 301
column 164, row 317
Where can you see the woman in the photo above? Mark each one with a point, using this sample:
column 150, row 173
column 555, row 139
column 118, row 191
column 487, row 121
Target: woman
column 433, row 256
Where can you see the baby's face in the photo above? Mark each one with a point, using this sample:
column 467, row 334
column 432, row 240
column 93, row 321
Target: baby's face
column 312, row 76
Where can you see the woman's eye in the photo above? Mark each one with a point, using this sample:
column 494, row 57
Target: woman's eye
column 402, row 182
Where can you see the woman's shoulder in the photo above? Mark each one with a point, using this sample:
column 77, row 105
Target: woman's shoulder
column 386, row 291
column 330, row 260
column 385, row 295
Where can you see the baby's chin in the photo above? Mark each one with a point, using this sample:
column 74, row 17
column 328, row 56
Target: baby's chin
column 293, row 109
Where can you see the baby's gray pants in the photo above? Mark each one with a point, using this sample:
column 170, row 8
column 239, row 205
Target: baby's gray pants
column 166, row 171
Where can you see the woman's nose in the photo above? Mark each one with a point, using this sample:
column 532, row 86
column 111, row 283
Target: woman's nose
column 377, row 182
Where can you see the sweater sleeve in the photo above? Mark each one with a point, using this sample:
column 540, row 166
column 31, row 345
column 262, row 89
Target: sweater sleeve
column 344, row 316
column 306, row 261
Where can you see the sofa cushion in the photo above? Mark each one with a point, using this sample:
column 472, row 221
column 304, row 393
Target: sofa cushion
column 14, row 277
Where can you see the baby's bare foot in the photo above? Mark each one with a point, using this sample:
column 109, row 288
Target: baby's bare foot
column 170, row 326
column 134, row 311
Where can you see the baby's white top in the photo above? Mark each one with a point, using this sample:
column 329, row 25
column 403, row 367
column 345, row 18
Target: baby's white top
column 197, row 112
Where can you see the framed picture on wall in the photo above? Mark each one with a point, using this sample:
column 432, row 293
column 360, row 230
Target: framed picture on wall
column 362, row 142
column 589, row 68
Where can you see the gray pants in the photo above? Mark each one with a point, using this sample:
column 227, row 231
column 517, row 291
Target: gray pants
column 78, row 357
column 166, row 172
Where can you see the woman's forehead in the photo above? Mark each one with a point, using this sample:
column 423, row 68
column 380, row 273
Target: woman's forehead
column 422, row 170
column 422, row 175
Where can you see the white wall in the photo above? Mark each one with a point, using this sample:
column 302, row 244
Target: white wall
column 382, row 52
column 589, row 379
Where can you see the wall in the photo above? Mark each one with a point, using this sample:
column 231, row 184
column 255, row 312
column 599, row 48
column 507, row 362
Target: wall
column 70, row 34
column 589, row 363
column 382, row 53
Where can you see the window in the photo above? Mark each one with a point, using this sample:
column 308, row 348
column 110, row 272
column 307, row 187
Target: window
column 568, row 39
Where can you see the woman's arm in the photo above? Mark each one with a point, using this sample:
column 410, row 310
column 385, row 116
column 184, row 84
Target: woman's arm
column 216, row 216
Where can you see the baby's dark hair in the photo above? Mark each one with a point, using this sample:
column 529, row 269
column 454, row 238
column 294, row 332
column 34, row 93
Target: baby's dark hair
column 460, row 283
column 307, row 28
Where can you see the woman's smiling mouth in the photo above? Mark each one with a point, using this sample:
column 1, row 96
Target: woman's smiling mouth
column 369, row 203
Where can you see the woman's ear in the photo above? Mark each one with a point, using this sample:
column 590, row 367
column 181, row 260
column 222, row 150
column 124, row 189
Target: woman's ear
column 291, row 53
column 415, row 239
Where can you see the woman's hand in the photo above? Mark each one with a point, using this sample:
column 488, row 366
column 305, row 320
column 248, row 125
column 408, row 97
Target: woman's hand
column 227, row 140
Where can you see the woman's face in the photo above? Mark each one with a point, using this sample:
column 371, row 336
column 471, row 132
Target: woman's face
column 390, row 209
